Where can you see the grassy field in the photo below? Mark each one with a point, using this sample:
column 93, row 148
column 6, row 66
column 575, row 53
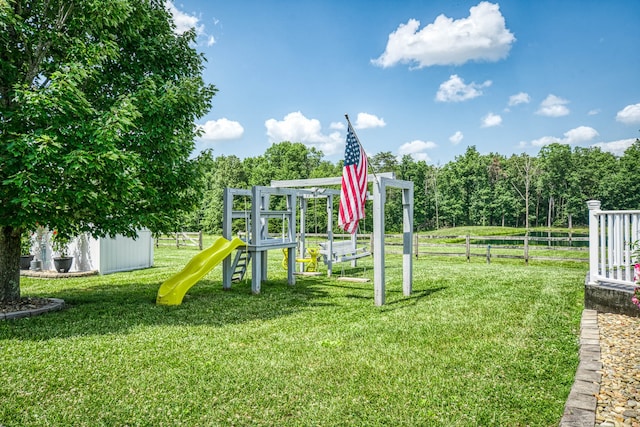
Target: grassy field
column 476, row 344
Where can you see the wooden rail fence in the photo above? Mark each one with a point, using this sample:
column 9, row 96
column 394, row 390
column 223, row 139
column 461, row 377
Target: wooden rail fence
column 515, row 247
column 181, row 238
column 485, row 246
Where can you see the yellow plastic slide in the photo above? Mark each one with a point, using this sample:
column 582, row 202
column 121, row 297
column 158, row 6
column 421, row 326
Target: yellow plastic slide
column 173, row 289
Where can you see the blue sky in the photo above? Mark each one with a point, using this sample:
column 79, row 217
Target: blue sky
column 424, row 78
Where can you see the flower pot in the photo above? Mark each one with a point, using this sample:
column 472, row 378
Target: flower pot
column 25, row 262
column 35, row 265
column 63, row 264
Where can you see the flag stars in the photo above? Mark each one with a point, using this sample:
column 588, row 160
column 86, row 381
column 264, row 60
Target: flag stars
column 352, row 151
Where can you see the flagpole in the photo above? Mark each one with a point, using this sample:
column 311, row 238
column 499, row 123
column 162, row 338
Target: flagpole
column 361, row 147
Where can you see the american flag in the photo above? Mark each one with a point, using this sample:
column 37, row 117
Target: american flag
column 353, row 192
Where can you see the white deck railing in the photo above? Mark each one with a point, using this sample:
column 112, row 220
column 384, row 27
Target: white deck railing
column 612, row 235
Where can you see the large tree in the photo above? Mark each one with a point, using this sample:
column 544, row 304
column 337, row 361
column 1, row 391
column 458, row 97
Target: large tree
column 556, row 164
column 521, row 172
column 97, row 108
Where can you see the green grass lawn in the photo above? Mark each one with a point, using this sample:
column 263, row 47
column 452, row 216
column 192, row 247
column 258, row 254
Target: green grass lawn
column 476, row 344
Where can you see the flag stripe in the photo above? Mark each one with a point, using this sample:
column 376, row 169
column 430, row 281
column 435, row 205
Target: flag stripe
column 353, row 192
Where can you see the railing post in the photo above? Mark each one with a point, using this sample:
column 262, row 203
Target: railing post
column 594, row 210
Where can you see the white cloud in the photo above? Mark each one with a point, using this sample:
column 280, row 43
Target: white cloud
column 416, row 149
column 183, row 21
column 366, row 120
column 594, row 112
column 456, row 138
column 491, row 120
column 482, row 36
column 519, row 98
column 545, row 140
column 211, row 41
column 455, row 90
column 616, row 147
column 573, row 136
column 580, row 134
column 295, row 127
column 337, row 126
column 221, row 129
column 629, row 114
column 553, row 106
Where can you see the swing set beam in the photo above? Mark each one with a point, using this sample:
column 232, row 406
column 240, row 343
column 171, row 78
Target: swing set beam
column 381, row 182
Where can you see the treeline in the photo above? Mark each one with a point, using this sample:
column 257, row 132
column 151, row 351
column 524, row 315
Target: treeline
column 474, row 189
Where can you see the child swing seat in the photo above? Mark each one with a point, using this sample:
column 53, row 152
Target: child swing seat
column 342, row 251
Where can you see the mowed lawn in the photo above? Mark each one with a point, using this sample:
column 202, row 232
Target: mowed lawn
column 476, row 344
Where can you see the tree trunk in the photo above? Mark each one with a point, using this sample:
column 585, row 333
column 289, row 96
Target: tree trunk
column 9, row 264
column 526, row 208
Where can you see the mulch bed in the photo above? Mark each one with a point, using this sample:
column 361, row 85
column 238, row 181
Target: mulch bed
column 26, row 303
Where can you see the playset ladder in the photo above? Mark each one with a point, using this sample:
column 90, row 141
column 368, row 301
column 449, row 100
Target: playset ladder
column 240, row 264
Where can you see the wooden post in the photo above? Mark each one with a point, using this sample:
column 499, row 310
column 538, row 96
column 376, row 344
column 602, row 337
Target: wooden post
column 200, row 239
column 526, row 248
column 379, row 200
column 416, row 246
column 407, row 231
column 468, row 248
column 488, row 254
column 177, row 241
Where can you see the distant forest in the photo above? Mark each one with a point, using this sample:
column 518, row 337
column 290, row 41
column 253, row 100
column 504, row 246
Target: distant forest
column 550, row 189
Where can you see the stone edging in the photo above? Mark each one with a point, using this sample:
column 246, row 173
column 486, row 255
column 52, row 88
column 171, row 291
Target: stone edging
column 52, row 274
column 580, row 409
column 55, row 304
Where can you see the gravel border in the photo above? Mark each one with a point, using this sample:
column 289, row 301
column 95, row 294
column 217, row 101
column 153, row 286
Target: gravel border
column 619, row 396
column 580, row 408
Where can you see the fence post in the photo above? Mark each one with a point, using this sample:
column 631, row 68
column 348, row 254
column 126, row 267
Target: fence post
column 200, row 239
column 416, row 245
column 177, row 241
column 594, row 210
column 570, row 234
column 526, row 248
column 488, row 254
column 468, row 248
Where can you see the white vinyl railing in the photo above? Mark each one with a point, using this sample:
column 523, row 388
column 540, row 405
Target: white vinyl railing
column 612, row 236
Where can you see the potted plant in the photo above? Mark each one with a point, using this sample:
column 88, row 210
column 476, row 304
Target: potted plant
column 60, row 243
column 25, row 250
